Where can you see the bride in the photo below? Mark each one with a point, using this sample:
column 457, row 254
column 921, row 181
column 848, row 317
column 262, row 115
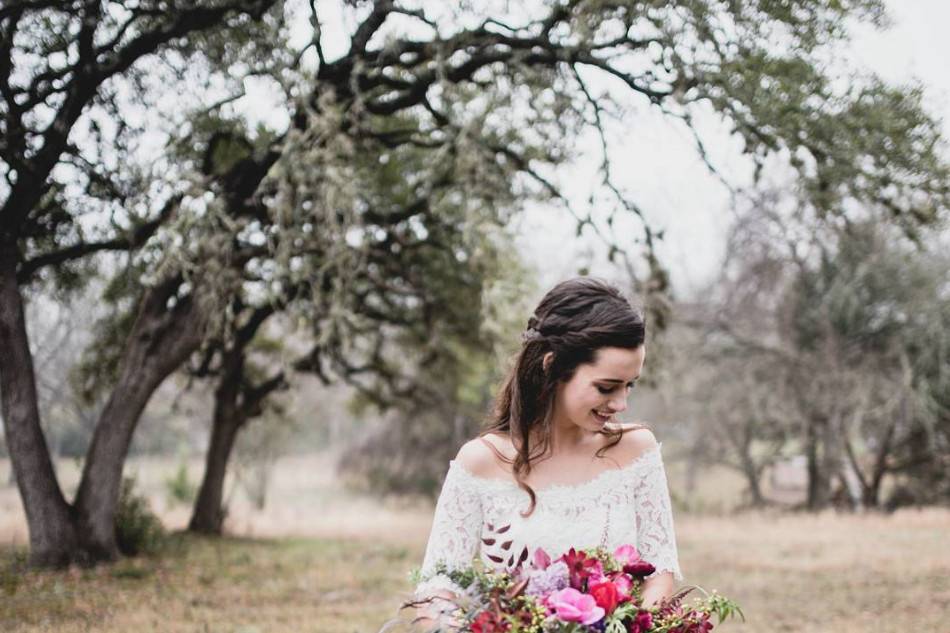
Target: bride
column 555, row 469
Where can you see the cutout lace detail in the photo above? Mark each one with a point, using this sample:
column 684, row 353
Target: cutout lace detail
column 630, row 504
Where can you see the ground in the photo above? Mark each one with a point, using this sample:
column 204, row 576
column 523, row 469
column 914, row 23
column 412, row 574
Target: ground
column 322, row 561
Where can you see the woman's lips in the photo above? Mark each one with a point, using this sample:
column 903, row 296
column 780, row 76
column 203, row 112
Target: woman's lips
column 601, row 418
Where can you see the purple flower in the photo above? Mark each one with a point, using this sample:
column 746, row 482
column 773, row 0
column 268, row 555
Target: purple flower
column 542, row 582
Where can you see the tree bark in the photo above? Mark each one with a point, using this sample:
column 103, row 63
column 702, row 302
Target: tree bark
column 49, row 517
column 235, row 402
column 209, row 512
column 161, row 340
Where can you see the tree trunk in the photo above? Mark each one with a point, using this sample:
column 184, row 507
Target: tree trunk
column 161, row 340
column 753, row 475
column 49, row 517
column 235, row 402
column 209, row 513
column 885, row 446
column 817, row 478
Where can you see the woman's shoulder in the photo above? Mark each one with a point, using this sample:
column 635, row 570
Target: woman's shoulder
column 636, row 440
column 480, row 455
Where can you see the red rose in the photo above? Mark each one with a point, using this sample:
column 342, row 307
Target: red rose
column 606, row 595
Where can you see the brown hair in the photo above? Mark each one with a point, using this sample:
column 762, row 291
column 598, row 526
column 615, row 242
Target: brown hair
column 574, row 320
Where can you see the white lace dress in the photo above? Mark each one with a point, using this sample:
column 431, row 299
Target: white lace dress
column 478, row 516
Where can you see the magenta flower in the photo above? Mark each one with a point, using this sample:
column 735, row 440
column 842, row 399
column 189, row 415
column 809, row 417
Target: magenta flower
column 570, row 605
column 582, row 568
column 642, row 623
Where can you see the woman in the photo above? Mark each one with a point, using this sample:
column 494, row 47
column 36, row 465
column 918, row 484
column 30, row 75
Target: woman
column 554, row 469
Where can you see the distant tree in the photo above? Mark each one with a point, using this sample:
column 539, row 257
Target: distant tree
column 729, row 373
column 829, row 345
column 873, row 318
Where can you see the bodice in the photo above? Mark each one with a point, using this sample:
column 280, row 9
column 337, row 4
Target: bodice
column 481, row 517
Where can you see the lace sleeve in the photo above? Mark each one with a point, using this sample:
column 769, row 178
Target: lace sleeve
column 456, row 527
column 656, row 539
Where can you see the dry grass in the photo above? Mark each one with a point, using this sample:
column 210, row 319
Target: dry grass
column 325, row 561
column 825, row 573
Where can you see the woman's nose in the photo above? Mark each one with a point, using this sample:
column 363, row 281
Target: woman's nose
column 618, row 404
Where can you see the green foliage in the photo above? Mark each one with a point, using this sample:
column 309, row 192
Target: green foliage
column 180, row 488
column 723, row 607
column 137, row 529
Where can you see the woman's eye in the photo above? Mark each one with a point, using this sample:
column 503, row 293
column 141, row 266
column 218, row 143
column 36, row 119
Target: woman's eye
column 606, row 390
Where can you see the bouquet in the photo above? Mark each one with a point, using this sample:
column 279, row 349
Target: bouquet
column 584, row 591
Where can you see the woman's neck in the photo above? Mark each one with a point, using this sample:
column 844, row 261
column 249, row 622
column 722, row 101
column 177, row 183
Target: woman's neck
column 564, row 439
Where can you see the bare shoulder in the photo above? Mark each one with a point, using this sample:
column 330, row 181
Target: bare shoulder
column 635, row 441
column 478, row 458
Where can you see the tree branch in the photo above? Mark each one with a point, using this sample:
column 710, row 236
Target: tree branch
column 129, row 242
column 369, row 26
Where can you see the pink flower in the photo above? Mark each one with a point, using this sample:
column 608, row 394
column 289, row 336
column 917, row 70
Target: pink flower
column 623, row 584
column 570, row 605
column 629, row 557
column 541, row 559
column 626, row 553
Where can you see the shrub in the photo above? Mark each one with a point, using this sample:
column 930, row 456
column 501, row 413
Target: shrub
column 137, row 529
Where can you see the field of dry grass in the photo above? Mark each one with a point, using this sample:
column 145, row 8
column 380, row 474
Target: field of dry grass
column 320, row 560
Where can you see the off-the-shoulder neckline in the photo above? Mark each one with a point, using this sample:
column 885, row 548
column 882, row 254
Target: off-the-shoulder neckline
column 513, row 485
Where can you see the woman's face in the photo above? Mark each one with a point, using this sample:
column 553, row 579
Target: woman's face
column 599, row 390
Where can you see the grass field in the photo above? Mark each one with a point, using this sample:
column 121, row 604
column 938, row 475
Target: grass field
column 339, row 564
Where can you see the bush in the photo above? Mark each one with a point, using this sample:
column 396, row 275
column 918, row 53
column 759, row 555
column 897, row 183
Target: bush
column 137, row 529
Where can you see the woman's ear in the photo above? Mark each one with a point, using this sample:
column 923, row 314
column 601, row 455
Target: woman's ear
column 547, row 360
